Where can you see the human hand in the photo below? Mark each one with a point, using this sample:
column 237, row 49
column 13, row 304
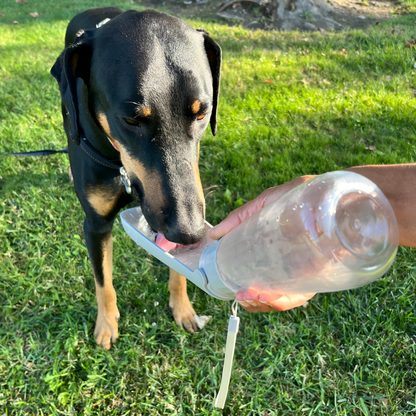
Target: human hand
column 251, row 299
column 240, row 214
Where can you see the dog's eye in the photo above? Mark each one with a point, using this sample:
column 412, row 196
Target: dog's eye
column 201, row 117
column 132, row 122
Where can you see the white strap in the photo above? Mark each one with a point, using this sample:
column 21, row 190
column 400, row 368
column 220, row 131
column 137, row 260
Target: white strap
column 233, row 325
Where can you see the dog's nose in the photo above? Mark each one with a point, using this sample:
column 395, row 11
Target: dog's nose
column 175, row 234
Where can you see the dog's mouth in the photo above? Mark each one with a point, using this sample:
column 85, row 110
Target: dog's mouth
column 166, row 245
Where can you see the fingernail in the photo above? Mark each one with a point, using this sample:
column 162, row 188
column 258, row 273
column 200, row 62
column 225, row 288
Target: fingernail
column 242, row 303
column 239, row 296
column 263, row 299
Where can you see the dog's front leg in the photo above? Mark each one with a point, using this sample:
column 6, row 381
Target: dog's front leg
column 100, row 248
column 182, row 309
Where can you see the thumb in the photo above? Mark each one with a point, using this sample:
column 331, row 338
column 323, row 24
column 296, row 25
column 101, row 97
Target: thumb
column 240, row 214
column 235, row 218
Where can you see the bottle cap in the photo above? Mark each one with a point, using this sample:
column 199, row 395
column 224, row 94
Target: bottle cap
column 208, row 263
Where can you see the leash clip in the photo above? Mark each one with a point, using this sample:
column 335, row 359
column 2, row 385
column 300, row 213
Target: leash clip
column 125, row 179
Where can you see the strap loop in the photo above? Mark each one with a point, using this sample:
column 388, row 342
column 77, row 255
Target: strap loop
column 233, row 325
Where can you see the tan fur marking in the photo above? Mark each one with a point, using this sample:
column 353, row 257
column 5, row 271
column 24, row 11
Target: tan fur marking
column 74, row 62
column 150, row 180
column 145, row 111
column 182, row 309
column 102, row 119
column 106, row 327
column 196, row 106
column 198, row 180
column 101, row 200
column 177, row 288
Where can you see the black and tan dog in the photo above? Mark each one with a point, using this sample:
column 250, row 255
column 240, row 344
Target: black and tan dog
column 138, row 91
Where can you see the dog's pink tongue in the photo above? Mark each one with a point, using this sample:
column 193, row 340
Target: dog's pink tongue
column 163, row 243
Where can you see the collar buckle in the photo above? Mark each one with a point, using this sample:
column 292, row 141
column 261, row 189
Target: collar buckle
column 125, row 179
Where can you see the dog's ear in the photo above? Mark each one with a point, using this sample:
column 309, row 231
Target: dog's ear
column 213, row 52
column 74, row 62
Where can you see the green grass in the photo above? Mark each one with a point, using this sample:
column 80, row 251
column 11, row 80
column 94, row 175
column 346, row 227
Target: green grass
column 410, row 5
column 348, row 353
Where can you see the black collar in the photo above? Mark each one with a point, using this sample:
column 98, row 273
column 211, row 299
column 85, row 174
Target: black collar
column 94, row 154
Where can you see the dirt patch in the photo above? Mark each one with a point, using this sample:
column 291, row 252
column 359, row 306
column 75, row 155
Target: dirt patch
column 353, row 11
column 303, row 15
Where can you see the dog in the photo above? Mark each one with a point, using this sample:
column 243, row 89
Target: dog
column 138, row 90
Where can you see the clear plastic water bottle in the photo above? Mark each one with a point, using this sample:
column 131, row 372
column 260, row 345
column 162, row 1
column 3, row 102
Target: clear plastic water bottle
column 335, row 232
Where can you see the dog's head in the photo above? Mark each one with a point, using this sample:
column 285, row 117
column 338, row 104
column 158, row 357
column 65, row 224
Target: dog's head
column 151, row 83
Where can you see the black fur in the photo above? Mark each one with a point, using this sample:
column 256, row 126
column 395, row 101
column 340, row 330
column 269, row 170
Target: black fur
column 138, row 59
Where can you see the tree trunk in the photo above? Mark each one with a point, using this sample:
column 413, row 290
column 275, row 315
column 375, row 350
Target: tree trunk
column 285, row 15
column 305, row 15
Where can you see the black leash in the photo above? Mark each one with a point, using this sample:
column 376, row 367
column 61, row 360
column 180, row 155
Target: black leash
column 89, row 149
column 45, row 152
column 94, row 154
column 85, row 145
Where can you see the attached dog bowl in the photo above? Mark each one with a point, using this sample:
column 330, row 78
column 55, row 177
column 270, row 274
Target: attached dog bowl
column 183, row 260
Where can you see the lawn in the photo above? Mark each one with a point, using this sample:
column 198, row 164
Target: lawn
column 291, row 104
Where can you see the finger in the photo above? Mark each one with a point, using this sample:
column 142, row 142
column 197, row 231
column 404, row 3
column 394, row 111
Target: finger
column 249, row 306
column 269, row 297
column 240, row 214
column 235, row 218
column 239, row 296
column 260, row 302
column 271, row 194
column 249, row 300
column 289, row 301
column 251, row 295
column 258, row 308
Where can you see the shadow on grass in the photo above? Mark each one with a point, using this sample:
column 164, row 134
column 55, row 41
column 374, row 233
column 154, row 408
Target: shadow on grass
column 25, row 178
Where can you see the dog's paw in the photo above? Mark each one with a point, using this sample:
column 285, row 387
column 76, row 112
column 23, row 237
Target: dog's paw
column 106, row 329
column 184, row 315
